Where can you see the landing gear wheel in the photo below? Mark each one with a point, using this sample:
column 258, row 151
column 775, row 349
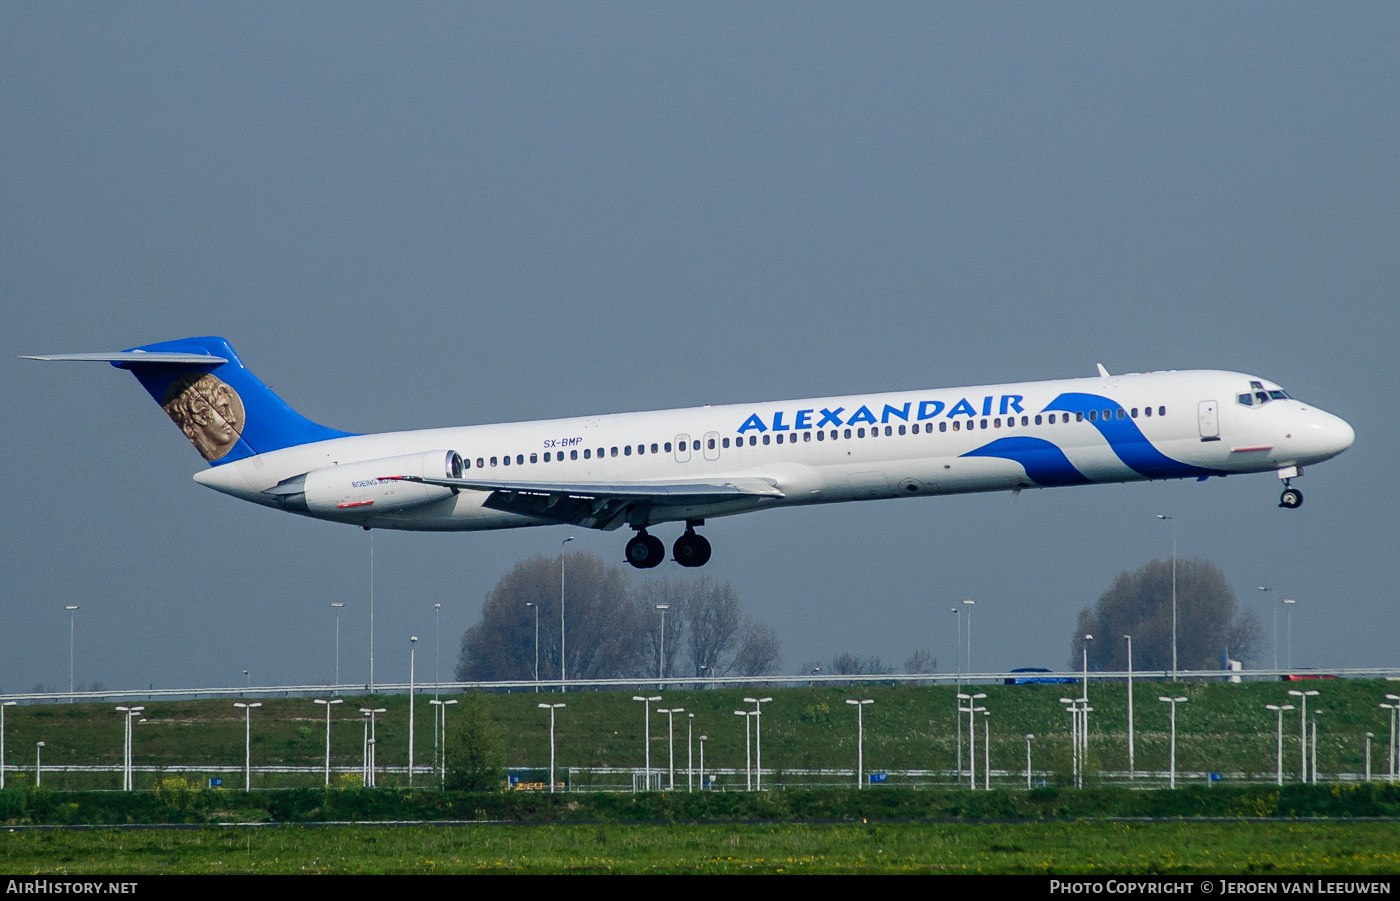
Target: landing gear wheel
column 645, row 551
column 691, row 549
column 1291, row 499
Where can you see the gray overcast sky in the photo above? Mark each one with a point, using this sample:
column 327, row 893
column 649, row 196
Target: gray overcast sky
column 418, row 215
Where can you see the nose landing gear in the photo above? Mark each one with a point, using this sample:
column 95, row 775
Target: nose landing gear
column 691, row 549
column 645, row 551
column 1291, row 499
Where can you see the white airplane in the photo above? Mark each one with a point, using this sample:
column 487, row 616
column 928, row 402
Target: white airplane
column 690, row 465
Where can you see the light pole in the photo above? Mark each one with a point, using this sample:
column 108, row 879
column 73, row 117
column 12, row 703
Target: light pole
column 1085, row 648
column 1173, row 702
column 646, row 720
column 38, row 764
column 1173, row 522
column 371, row 616
column 72, row 626
column 412, row 690
column 689, row 753
column 1369, row 736
column 748, row 749
column 2, row 739
column 537, row 643
column 437, row 648
column 703, row 739
column 1029, row 738
column 247, row 742
column 563, row 679
column 441, row 707
column 127, row 741
column 337, row 606
column 1290, row 604
column 1279, row 709
column 860, row 738
column 1274, row 608
column 957, row 718
column 1314, row 746
column 1073, row 712
column 328, row 705
column 758, row 736
column 371, row 740
column 1131, row 767
column 1394, row 707
column 971, row 710
column 671, row 744
column 661, row 653
column 969, row 603
column 364, row 749
column 986, row 750
column 551, row 708
column 1303, row 696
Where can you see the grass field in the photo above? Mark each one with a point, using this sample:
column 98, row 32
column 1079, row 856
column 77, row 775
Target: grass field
column 1224, row 728
column 1035, row 848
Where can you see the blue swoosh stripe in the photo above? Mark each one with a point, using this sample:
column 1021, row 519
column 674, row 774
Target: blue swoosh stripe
column 1045, row 463
column 1127, row 441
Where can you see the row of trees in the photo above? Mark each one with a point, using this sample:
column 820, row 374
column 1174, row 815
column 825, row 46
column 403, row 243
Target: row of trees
column 612, row 626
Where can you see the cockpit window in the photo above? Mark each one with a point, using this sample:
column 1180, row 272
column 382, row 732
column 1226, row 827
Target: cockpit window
column 1279, row 395
column 1247, row 399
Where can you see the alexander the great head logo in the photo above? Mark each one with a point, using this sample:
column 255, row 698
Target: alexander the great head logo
column 208, row 411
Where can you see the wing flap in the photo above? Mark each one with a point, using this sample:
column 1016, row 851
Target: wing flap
column 131, row 356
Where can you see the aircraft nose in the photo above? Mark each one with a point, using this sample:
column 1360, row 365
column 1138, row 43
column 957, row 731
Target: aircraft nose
column 1333, row 433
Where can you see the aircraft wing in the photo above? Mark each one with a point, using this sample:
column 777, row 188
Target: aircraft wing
column 598, row 506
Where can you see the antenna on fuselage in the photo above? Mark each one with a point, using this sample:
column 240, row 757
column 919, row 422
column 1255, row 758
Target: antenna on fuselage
column 1103, row 373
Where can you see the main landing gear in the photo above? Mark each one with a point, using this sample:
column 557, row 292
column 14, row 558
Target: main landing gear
column 645, row 551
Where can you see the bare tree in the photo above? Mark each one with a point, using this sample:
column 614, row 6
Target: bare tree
column 848, row 664
column 716, row 621
column 921, row 661
column 1139, row 604
column 601, row 619
column 677, row 596
column 759, row 653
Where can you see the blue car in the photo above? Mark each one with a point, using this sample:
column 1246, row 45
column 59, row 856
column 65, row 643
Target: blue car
column 1039, row 680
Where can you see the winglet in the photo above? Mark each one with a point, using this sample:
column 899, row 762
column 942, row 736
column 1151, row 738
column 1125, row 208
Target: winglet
column 1103, row 373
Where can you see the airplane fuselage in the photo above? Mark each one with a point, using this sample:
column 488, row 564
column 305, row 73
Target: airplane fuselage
column 1125, row 428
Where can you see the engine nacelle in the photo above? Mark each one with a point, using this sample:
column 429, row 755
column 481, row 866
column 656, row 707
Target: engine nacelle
column 361, row 487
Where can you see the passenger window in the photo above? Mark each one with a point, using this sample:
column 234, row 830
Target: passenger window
column 653, row 448
column 860, row 433
column 481, row 464
column 1120, row 414
column 821, row 436
column 626, row 451
column 767, row 438
column 753, row 439
column 901, row 430
column 955, row 425
column 573, row 454
column 505, row 460
column 1037, row 419
column 806, row 436
column 534, row 458
column 520, row 459
column 546, row 456
column 586, row 454
column 780, row 437
column 889, row 430
column 943, row 427
column 696, row 445
column 614, row 452
column 1026, row 420
column 848, row 433
column 1078, row 417
column 1093, row 415
column 1147, row 411
column 724, row 443
column 997, row 422
column 984, row 423
column 493, row 461
column 1161, row 411
column 1134, row 413
column 668, row 447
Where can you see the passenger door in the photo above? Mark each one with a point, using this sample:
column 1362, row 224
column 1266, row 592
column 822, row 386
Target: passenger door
column 1208, row 413
column 711, row 446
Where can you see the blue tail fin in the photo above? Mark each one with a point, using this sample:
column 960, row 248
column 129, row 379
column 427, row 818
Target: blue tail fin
column 225, row 411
